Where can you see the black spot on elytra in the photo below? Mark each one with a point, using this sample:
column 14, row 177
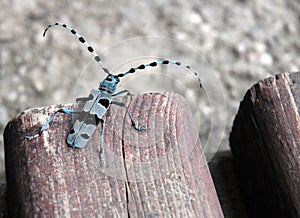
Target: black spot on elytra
column 104, row 102
column 88, row 119
column 82, row 116
column 85, row 136
column 92, row 119
column 91, row 97
column 72, row 131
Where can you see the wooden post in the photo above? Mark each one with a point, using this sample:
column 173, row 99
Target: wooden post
column 159, row 172
column 265, row 143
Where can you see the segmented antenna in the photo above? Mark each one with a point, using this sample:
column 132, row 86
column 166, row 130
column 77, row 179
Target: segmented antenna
column 83, row 41
column 164, row 62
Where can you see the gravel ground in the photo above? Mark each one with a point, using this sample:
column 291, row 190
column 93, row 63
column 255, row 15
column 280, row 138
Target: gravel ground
column 231, row 44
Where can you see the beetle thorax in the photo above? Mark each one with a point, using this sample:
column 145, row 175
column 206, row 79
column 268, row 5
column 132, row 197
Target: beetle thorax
column 109, row 84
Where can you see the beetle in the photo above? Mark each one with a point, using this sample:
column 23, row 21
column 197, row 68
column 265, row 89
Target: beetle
column 99, row 100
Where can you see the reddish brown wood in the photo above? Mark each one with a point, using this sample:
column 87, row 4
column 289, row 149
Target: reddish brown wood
column 265, row 143
column 164, row 172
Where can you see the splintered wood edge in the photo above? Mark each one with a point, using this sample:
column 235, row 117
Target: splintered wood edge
column 48, row 178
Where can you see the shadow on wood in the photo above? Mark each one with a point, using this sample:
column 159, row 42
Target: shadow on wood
column 222, row 170
column 159, row 172
column 265, row 144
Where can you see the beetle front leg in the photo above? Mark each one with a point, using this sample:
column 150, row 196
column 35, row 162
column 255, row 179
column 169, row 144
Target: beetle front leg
column 42, row 128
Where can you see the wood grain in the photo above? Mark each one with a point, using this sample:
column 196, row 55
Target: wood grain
column 160, row 172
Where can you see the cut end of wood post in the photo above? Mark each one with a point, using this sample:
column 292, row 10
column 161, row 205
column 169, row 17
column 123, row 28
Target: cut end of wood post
column 265, row 145
column 158, row 172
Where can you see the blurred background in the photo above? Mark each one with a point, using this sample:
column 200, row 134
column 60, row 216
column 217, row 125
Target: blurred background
column 231, row 44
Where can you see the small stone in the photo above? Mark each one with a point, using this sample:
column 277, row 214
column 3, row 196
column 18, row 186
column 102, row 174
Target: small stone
column 12, row 96
column 195, row 18
column 266, row 59
column 260, row 47
column 39, row 85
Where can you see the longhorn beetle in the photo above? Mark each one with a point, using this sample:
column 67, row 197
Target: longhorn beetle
column 99, row 100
